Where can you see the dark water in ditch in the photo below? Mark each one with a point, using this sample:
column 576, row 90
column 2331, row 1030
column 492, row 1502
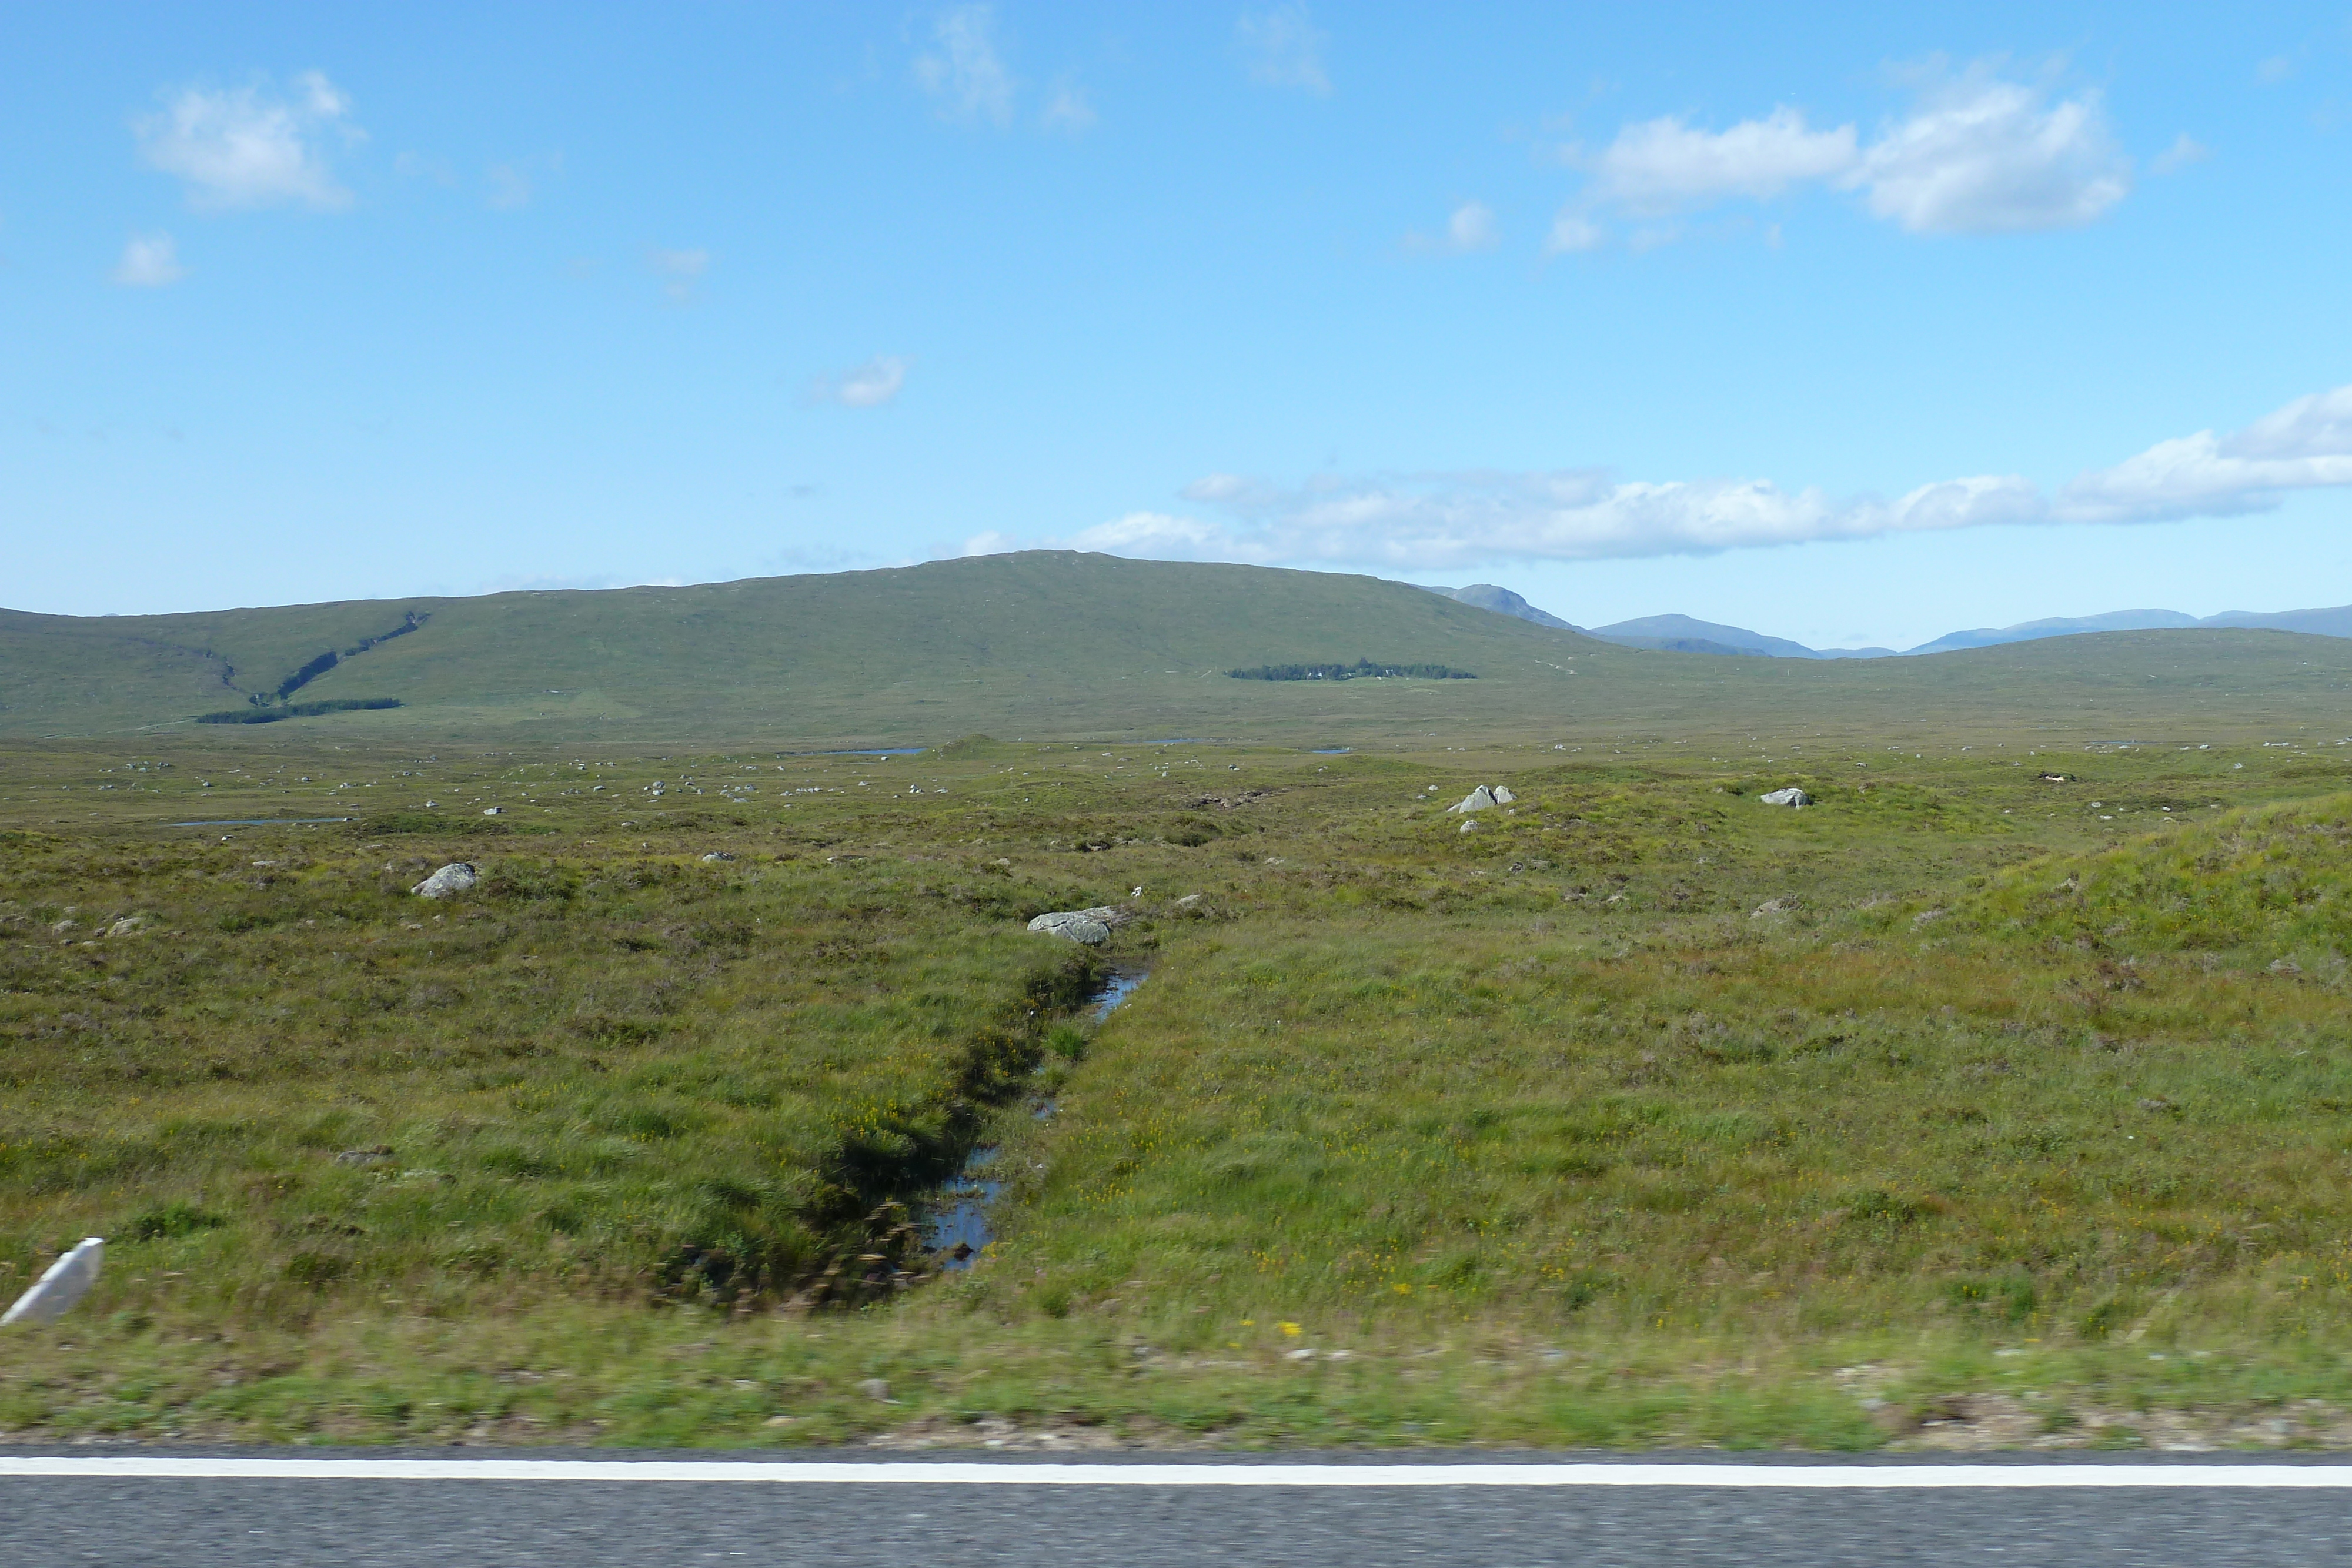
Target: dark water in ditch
column 958, row 1225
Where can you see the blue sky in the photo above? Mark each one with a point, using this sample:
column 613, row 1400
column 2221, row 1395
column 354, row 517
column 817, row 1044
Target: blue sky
column 1852, row 326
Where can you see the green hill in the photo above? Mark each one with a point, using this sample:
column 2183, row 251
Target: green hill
column 1059, row 644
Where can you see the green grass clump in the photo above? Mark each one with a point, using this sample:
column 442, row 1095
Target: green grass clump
column 2275, row 882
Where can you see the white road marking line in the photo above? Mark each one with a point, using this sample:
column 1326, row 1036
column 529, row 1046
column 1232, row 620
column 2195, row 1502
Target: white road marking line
column 790, row 1472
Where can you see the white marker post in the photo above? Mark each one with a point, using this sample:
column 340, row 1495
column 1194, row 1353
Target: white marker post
column 68, row 1280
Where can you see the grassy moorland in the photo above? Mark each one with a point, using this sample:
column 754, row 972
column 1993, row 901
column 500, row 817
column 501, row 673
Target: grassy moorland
column 1964, row 1107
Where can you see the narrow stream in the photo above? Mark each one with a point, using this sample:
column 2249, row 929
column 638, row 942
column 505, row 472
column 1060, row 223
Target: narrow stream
column 956, row 1225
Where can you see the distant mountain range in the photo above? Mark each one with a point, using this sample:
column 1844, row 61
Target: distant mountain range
column 1682, row 635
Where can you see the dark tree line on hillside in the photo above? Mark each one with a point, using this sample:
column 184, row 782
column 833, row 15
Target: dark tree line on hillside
column 1360, row 670
column 322, row 664
column 294, row 710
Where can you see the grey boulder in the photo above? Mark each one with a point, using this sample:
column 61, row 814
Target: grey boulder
column 1478, row 799
column 1792, row 796
column 457, row 876
column 1078, row 926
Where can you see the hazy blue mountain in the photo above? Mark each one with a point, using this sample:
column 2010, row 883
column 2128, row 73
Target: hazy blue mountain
column 2067, row 626
column 1502, row 602
column 1682, row 635
column 1685, row 634
column 2335, row 622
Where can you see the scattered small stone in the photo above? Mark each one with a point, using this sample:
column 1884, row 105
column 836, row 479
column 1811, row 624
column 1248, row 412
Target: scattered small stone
column 1190, row 899
column 2156, row 1103
column 875, row 1388
column 717, row 855
column 367, row 1158
column 1773, row 907
column 2286, row 966
column 128, row 925
column 494, row 810
column 1468, row 827
column 1792, row 796
column 457, row 876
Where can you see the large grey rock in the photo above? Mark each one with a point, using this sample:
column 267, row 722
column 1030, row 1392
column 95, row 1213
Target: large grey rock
column 457, row 876
column 1792, row 796
column 1478, row 799
column 1075, row 925
column 1503, row 796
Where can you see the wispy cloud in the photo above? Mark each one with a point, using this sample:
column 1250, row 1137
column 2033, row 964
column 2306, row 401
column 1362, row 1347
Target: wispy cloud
column 1985, row 156
column 513, row 184
column 1571, row 232
column 1282, row 48
column 962, row 70
column 250, row 147
column 2185, row 150
column 1068, row 110
column 507, row 187
column 1976, row 154
column 1470, row 226
column 149, row 261
column 683, row 269
column 2305, row 445
column 1438, row 521
column 869, row 385
column 1665, row 166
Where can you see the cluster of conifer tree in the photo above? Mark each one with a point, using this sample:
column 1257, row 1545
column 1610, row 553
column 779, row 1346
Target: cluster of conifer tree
column 1357, row 670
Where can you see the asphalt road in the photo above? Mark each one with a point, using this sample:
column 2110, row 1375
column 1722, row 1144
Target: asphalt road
column 200, row 1522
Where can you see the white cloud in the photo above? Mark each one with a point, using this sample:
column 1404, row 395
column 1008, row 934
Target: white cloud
column 1572, row 231
column 2305, row 445
column 149, row 261
column 246, row 147
column 684, row 269
column 1283, row 47
column 1975, row 155
column 870, row 385
column 963, row 71
column 2185, row 150
column 1471, row 227
column 1983, row 156
column 1434, row 521
column 1665, row 166
column 1421, row 522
